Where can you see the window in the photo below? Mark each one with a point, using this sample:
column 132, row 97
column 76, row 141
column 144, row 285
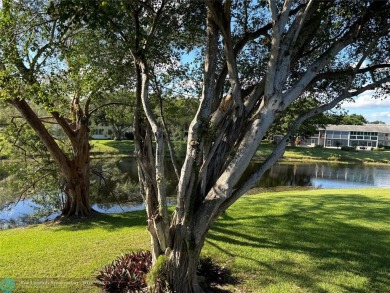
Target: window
column 97, row 132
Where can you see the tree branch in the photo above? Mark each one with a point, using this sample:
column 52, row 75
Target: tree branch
column 348, row 72
column 156, row 18
column 109, row 104
column 279, row 150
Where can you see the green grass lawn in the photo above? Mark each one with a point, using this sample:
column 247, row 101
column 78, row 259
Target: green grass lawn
column 307, row 241
column 326, row 154
column 66, row 258
column 112, row 146
column 127, row 147
column 361, row 156
column 291, row 241
column 291, row 154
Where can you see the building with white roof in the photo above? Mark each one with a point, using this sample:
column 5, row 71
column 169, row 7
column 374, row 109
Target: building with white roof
column 364, row 136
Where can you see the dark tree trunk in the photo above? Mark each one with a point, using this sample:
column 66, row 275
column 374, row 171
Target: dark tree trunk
column 77, row 175
column 75, row 171
column 77, row 202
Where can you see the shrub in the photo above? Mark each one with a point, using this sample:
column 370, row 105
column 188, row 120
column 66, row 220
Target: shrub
column 126, row 273
column 334, row 157
column 318, row 146
column 348, row 148
column 133, row 272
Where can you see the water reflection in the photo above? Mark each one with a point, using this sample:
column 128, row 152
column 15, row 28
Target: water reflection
column 326, row 176
column 21, row 213
column 315, row 175
column 298, row 174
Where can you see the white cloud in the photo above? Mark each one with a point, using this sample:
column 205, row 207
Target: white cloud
column 366, row 100
column 381, row 116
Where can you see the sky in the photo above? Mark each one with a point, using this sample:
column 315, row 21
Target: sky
column 372, row 109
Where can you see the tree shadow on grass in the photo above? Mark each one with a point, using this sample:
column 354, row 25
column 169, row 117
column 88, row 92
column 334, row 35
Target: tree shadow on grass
column 109, row 222
column 340, row 234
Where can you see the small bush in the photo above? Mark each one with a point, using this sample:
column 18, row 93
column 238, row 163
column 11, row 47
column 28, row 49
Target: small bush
column 318, row 146
column 134, row 272
column 334, row 157
column 348, row 148
column 126, row 274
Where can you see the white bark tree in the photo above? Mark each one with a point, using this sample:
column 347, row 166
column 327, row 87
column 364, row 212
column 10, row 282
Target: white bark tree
column 258, row 59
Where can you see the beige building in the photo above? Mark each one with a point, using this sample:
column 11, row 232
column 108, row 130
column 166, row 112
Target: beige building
column 100, row 130
column 365, row 136
column 107, row 131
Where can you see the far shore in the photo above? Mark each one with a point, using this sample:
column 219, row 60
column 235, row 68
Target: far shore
column 304, row 154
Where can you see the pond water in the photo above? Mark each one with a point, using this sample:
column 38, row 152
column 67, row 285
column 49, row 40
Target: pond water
column 322, row 175
column 317, row 175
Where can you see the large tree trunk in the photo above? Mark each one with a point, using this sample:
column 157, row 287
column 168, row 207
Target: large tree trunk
column 77, row 200
column 75, row 171
column 227, row 129
column 77, row 203
column 182, row 264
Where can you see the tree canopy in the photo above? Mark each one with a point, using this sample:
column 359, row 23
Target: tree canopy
column 353, row 119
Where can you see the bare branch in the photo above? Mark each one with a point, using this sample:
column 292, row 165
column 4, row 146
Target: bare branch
column 165, row 128
column 109, row 104
column 156, row 19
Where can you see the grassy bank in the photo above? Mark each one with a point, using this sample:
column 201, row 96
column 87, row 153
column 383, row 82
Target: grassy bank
column 296, row 241
column 337, row 155
column 306, row 154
